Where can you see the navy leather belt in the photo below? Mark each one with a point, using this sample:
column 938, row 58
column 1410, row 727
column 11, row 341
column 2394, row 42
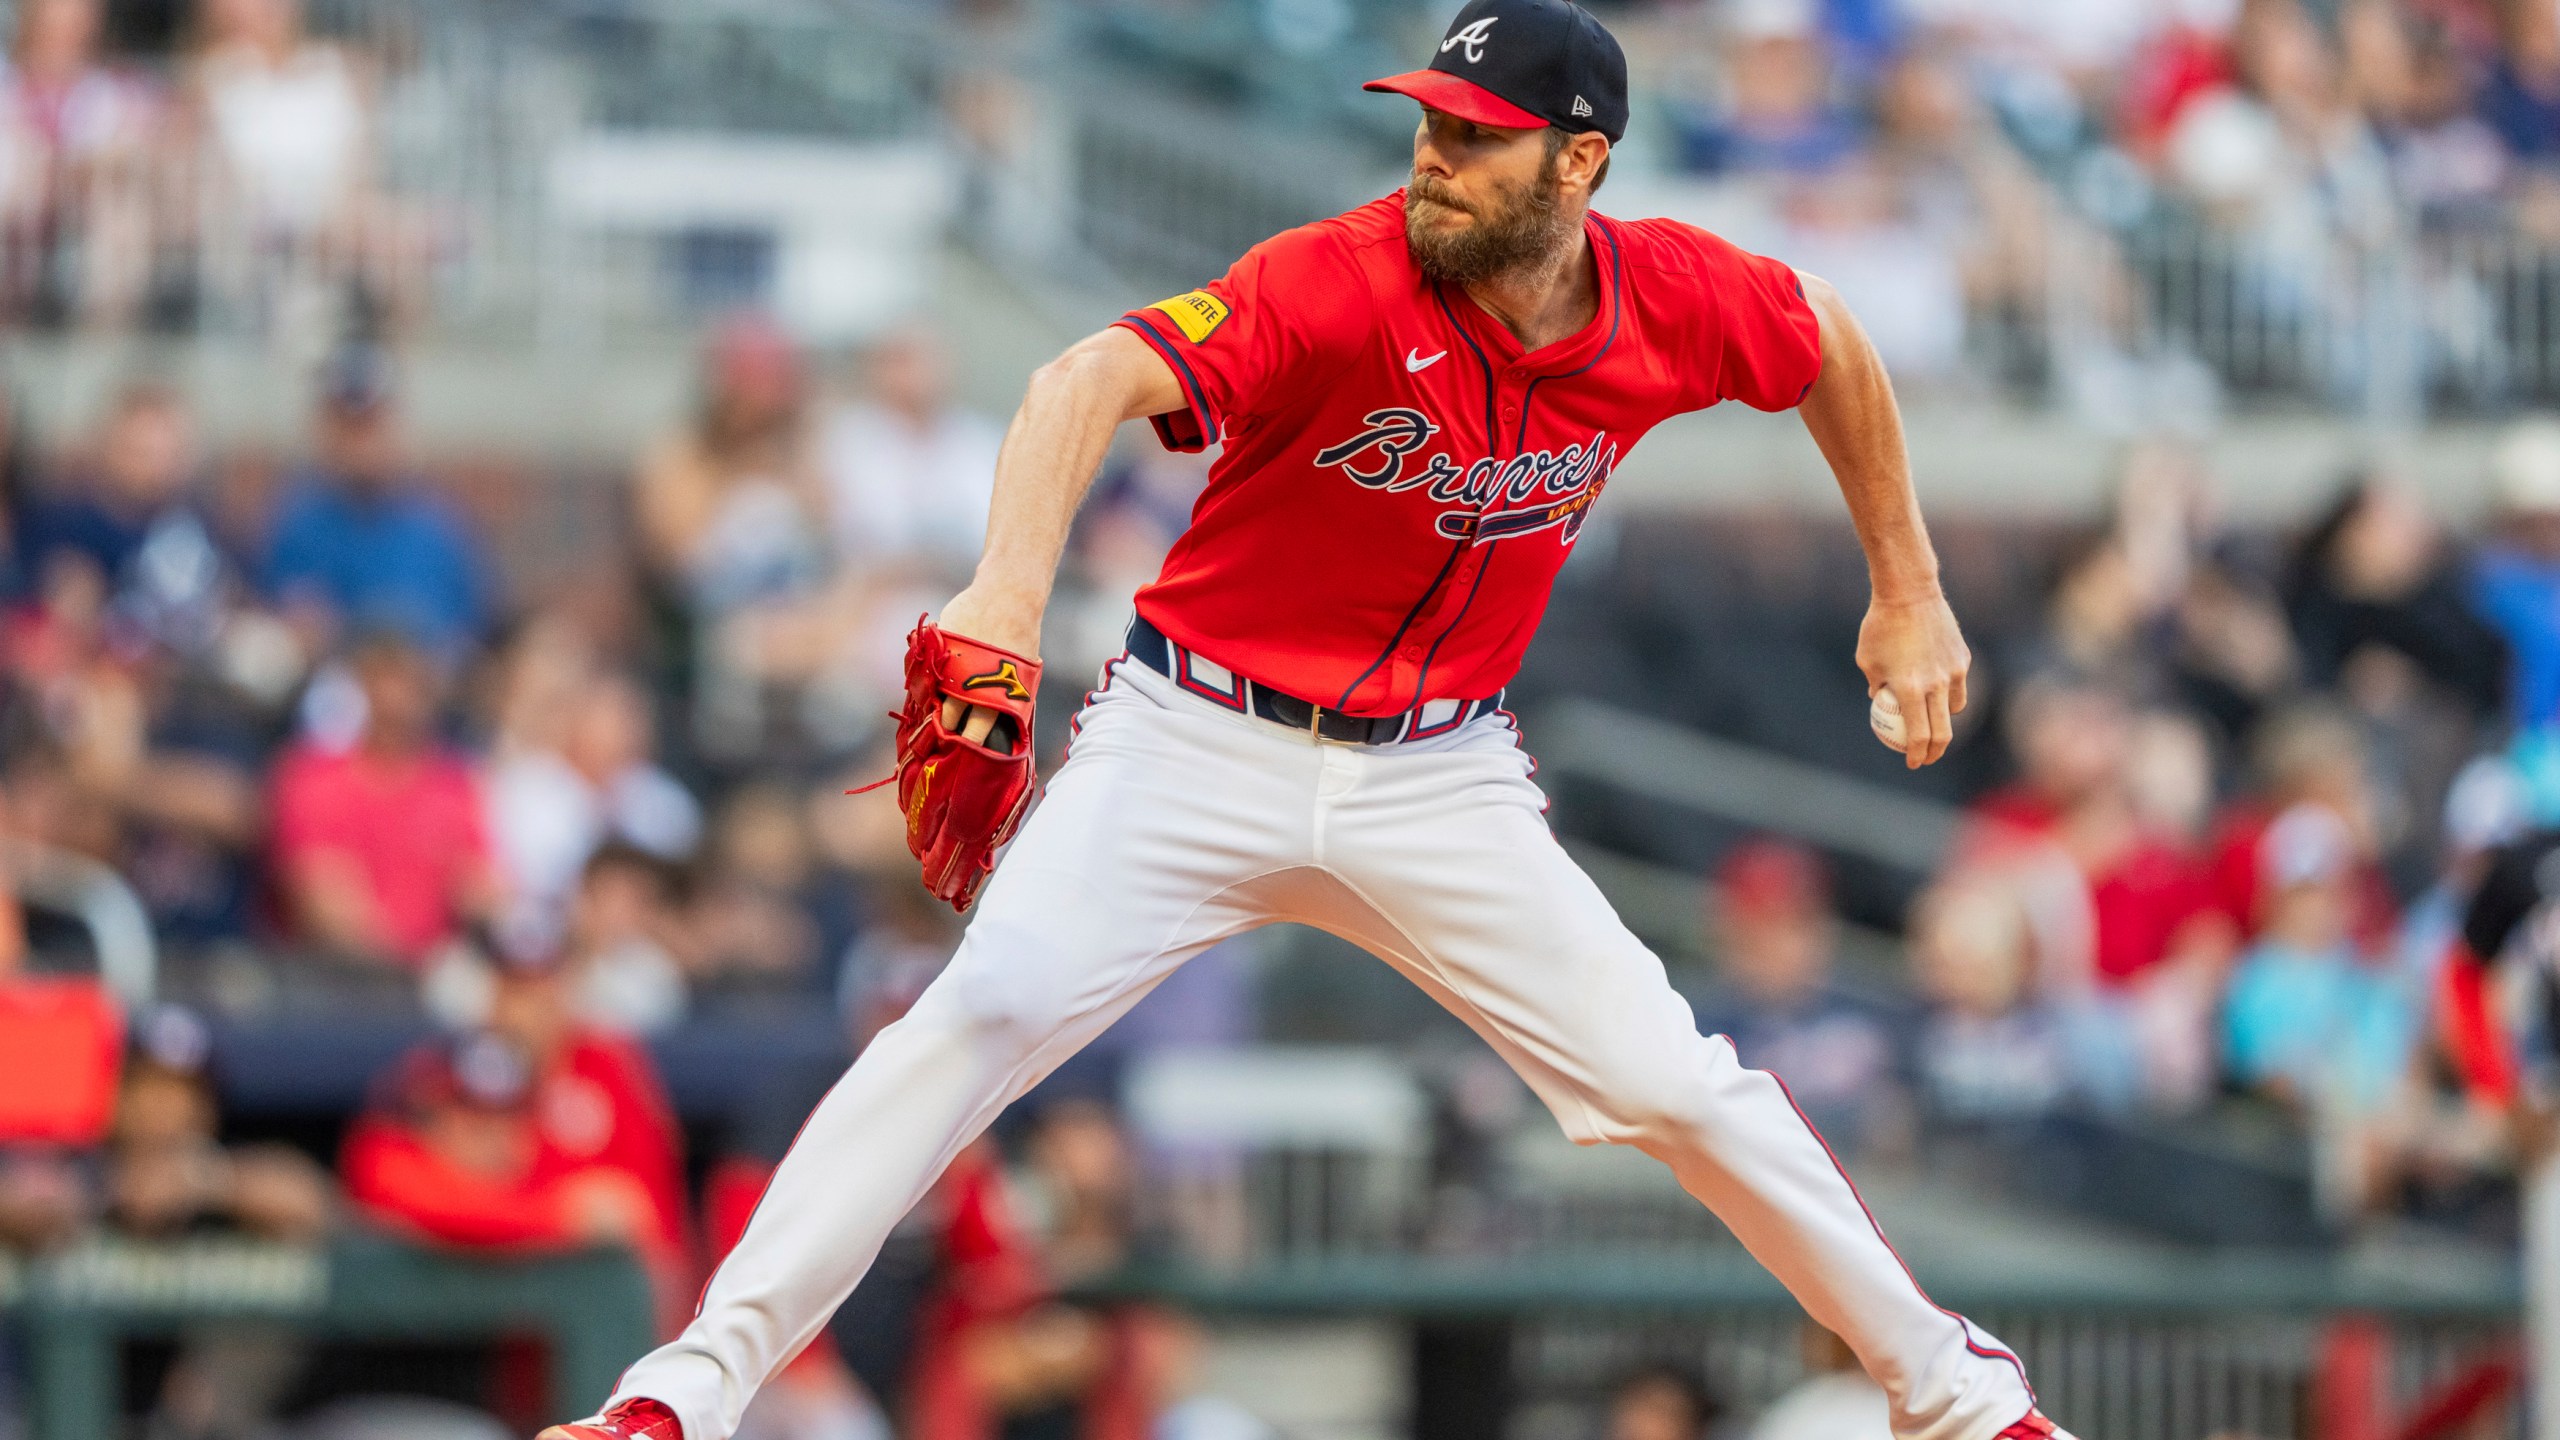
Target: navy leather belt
column 1214, row 682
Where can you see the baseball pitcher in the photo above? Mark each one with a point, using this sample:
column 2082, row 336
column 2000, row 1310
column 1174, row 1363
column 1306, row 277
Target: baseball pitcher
column 1419, row 402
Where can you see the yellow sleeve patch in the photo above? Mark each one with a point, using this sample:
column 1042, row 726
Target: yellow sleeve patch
column 1197, row 313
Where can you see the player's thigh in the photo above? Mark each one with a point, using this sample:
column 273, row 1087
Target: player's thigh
column 1136, row 856
column 1485, row 910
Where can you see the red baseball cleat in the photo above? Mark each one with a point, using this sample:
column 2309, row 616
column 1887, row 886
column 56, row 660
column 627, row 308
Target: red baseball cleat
column 630, row 1420
column 2034, row 1427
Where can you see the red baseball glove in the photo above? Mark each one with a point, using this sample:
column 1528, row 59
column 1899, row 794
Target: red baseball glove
column 963, row 800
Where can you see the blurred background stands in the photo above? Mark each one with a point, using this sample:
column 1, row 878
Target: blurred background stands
column 471, row 466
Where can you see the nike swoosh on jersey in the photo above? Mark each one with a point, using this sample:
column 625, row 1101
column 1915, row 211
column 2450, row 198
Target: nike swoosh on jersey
column 1415, row 360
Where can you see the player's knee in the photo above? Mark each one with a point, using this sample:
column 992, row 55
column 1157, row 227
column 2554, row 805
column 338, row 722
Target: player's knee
column 1016, row 980
column 1672, row 1116
column 1666, row 1099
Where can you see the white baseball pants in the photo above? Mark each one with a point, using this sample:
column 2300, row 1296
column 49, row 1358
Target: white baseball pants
column 1175, row 824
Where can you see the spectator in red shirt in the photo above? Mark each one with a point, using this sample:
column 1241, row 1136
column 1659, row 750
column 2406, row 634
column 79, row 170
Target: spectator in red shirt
column 45, row 1195
column 996, row 1352
column 447, row 1152
column 2309, row 756
column 535, row 1131
column 2074, row 739
column 2179, row 65
column 461, row 1148
column 381, row 848
column 2114, row 797
column 597, row 1102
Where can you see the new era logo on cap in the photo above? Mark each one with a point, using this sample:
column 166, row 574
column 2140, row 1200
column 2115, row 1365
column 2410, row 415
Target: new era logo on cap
column 1552, row 65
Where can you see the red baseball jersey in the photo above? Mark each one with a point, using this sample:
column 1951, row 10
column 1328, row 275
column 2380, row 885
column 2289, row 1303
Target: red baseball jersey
column 1401, row 481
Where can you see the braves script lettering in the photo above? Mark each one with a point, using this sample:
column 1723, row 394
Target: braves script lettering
column 1490, row 498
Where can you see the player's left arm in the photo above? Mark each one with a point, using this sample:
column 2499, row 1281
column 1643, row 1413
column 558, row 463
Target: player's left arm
column 1050, row 455
column 1909, row 643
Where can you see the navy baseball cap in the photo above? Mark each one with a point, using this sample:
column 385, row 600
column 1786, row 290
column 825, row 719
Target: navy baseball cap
column 1523, row 65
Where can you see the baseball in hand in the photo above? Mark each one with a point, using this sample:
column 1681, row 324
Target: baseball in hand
column 1884, row 716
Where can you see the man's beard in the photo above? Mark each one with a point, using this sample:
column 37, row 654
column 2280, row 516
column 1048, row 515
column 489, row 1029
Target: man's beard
column 1525, row 228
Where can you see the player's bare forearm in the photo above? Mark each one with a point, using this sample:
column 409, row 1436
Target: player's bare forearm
column 1910, row 643
column 1852, row 416
column 1051, row 451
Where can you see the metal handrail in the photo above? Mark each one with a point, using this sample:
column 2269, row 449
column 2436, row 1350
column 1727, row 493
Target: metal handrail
column 95, row 895
column 1671, row 910
column 1748, row 786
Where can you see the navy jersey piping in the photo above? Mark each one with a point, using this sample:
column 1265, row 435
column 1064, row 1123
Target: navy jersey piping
column 1446, row 565
column 1520, row 437
column 1617, row 312
column 1210, row 423
column 1422, row 679
column 1493, row 438
column 1492, row 427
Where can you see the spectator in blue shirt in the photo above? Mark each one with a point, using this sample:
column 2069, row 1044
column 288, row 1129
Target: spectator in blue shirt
column 2521, row 99
column 1778, row 116
column 360, row 538
column 2308, row 1019
column 128, row 517
column 2515, row 582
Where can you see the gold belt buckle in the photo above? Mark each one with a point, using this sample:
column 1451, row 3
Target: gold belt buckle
column 1315, row 722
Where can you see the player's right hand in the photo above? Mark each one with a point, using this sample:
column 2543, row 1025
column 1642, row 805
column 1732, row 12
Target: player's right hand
column 990, row 618
column 1914, row 649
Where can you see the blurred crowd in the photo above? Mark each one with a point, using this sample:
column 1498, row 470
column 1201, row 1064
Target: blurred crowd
column 1947, row 162
column 161, row 166
column 2009, row 193
column 348, row 765
column 1965, row 169
column 296, row 705
column 537, row 1132
column 2243, row 788
column 2225, row 794
column 2246, row 107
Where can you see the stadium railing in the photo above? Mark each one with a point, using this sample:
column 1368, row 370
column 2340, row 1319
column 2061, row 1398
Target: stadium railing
column 77, row 1308
column 99, row 900
column 1748, row 786
column 1562, row 1267
column 1556, row 1267
column 1083, row 163
column 2125, row 1347
column 2109, row 1375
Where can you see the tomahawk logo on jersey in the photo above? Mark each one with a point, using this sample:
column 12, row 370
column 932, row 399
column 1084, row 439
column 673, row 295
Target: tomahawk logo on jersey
column 1401, row 480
